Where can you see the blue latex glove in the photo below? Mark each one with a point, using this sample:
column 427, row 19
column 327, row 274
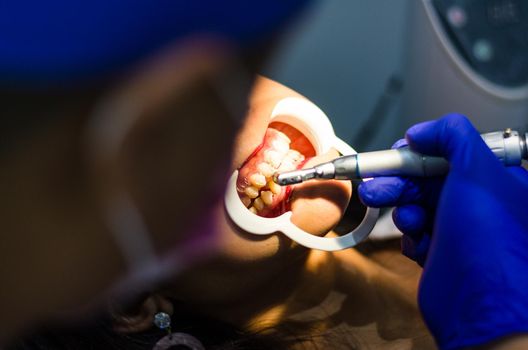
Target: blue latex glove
column 469, row 229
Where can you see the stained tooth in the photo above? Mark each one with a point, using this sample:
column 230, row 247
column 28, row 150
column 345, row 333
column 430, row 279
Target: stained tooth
column 273, row 158
column 266, row 169
column 280, row 146
column 246, row 201
column 258, row 203
column 275, row 188
column 267, row 197
column 251, row 192
column 253, row 210
column 257, row 180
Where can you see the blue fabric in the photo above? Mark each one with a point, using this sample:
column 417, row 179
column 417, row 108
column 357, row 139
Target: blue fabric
column 60, row 40
column 468, row 229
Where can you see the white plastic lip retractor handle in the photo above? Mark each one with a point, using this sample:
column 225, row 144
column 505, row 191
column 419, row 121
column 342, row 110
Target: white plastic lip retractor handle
column 314, row 124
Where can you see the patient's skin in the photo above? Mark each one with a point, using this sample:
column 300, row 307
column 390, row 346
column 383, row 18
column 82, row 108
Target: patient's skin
column 261, row 282
column 266, row 256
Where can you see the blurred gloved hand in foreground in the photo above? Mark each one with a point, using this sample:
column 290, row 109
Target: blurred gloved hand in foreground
column 468, row 229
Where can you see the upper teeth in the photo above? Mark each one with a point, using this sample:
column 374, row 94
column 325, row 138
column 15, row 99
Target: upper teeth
column 280, row 146
column 261, row 189
column 294, row 155
column 265, row 169
column 273, row 158
column 283, row 136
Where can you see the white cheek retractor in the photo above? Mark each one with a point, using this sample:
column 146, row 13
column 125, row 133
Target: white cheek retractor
column 314, row 124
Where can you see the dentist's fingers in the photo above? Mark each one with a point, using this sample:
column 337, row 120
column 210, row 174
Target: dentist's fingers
column 389, row 191
column 454, row 138
column 520, row 173
column 394, row 191
column 410, row 219
column 399, row 144
column 416, row 248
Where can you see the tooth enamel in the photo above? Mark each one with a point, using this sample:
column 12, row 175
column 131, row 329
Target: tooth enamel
column 246, row 201
column 283, row 136
column 294, row 155
column 291, row 160
column 267, row 197
column 257, row 180
column 273, row 158
column 274, row 187
column 255, row 186
column 280, row 146
column 251, row 192
column 287, row 165
column 265, row 169
column 258, row 203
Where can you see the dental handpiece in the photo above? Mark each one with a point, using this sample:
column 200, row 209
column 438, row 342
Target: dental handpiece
column 509, row 146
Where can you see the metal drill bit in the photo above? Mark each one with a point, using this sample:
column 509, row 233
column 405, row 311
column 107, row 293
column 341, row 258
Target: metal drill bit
column 322, row 171
column 294, row 177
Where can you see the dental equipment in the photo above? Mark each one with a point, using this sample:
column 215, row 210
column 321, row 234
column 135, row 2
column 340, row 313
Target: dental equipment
column 309, row 120
column 509, row 146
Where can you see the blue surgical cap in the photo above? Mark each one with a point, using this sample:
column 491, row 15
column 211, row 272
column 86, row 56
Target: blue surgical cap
column 50, row 41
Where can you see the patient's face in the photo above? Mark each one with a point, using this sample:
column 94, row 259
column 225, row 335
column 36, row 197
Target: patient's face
column 244, row 261
column 200, row 138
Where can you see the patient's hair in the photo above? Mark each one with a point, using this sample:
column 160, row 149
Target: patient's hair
column 99, row 335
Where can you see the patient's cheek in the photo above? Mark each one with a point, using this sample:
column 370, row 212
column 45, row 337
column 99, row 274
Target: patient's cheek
column 318, row 206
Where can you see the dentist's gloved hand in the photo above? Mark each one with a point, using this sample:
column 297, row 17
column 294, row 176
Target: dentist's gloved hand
column 469, row 229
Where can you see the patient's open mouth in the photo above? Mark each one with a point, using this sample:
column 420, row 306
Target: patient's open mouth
column 283, row 148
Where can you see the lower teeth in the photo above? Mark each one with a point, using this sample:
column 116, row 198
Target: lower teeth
column 267, row 197
column 257, row 189
column 258, row 203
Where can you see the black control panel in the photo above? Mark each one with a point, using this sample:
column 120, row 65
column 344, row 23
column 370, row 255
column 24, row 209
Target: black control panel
column 491, row 35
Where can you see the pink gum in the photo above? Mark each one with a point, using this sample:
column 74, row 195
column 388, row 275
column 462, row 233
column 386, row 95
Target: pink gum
column 279, row 203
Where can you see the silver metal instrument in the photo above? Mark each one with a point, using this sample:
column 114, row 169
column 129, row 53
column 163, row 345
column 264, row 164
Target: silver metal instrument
column 509, row 146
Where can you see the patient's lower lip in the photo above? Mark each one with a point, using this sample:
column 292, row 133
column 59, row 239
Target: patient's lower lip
column 255, row 186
